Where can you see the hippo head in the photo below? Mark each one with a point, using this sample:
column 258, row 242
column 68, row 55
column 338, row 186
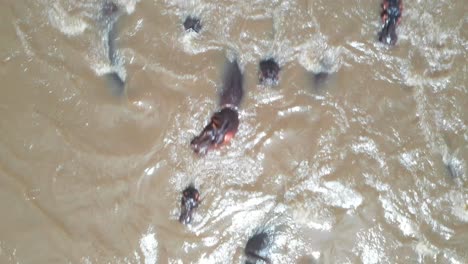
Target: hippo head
column 220, row 130
column 190, row 200
column 269, row 71
column 192, row 23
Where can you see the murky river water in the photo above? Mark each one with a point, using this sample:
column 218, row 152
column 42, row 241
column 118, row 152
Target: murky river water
column 368, row 167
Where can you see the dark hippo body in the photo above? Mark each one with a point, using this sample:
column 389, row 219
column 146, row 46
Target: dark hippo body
column 256, row 247
column 233, row 91
column 224, row 123
column 391, row 16
column 192, row 23
column 189, row 201
column 320, row 78
column 110, row 15
column 268, row 72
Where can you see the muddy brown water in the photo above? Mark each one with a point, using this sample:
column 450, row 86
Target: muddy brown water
column 368, row 167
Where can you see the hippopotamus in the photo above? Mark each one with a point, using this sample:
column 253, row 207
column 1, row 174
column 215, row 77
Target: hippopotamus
column 224, row 123
column 320, row 78
column 190, row 200
column 269, row 71
column 256, row 247
column 192, row 23
column 110, row 13
column 391, row 17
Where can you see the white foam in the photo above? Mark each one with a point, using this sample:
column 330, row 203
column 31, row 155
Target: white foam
column 62, row 21
column 102, row 68
column 370, row 255
column 305, row 216
column 424, row 249
column 410, row 159
column 460, row 205
column 338, row 195
column 371, row 245
column 24, row 42
column 149, row 247
column 368, row 146
column 393, row 216
column 129, row 5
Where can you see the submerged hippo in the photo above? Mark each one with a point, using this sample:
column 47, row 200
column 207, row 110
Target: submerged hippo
column 256, row 248
column 109, row 8
column 190, row 200
column 110, row 13
column 268, row 72
column 320, row 78
column 224, row 123
column 391, row 16
column 192, row 23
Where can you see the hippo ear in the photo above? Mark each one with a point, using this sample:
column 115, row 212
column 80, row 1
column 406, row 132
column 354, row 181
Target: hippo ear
column 215, row 121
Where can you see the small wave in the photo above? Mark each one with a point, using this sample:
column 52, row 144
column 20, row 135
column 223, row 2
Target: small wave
column 62, row 21
column 338, row 195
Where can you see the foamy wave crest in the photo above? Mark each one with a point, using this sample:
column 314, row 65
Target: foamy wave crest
column 68, row 25
column 129, row 5
column 149, row 246
column 102, row 69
